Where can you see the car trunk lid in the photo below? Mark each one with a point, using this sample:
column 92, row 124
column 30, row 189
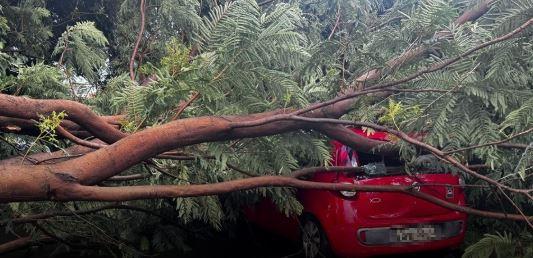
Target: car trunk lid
column 388, row 205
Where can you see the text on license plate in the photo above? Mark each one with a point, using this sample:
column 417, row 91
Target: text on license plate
column 416, row 234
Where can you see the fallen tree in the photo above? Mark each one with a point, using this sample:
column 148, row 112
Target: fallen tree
column 82, row 169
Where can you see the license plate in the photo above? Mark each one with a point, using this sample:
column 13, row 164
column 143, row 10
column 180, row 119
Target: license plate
column 416, row 234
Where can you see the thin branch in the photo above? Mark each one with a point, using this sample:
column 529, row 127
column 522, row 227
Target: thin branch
column 73, row 138
column 336, row 21
column 516, row 207
column 183, row 106
column 138, row 40
column 173, row 191
column 385, row 23
column 49, row 234
column 244, row 172
column 128, row 177
column 43, row 216
column 24, row 157
column 513, row 145
column 490, row 143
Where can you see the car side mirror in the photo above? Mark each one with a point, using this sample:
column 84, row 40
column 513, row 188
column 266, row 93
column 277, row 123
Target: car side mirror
column 375, row 168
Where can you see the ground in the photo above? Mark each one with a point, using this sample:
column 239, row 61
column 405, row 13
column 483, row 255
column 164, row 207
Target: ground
column 247, row 242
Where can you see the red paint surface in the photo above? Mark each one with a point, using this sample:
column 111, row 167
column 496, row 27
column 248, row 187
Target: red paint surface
column 342, row 217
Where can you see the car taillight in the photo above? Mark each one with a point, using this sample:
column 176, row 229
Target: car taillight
column 362, row 236
column 449, row 192
column 462, row 183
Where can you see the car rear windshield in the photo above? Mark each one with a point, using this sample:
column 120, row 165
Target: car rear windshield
column 365, row 159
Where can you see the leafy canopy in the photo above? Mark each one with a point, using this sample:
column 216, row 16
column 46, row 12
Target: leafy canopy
column 243, row 58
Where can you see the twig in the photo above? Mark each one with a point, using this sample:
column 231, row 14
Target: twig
column 24, row 157
column 127, row 177
column 183, row 106
column 516, row 207
column 265, row 2
column 336, row 21
column 244, row 172
column 45, row 161
column 42, row 216
column 60, row 62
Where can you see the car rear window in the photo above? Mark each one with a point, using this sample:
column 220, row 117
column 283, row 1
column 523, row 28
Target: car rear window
column 366, row 158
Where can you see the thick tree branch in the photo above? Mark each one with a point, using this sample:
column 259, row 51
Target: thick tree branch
column 215, row 128
column 474, row 13
column 358, row 142
column 15, row 244
column 25, row 108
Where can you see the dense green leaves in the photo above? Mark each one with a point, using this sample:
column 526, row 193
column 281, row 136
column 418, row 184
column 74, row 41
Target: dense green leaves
column 82, row 47
column 244, row 58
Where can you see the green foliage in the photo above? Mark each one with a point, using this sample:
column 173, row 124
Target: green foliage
column 396, row 113
column 29, row 26
column 39, row 81
column 176, row 59
column 244, row 58
column 82, row 47
column 172, row 19
column 500, row 246
column 251, row 55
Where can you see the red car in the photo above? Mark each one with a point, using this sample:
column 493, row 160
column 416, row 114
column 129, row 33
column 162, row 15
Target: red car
column 362, row 224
